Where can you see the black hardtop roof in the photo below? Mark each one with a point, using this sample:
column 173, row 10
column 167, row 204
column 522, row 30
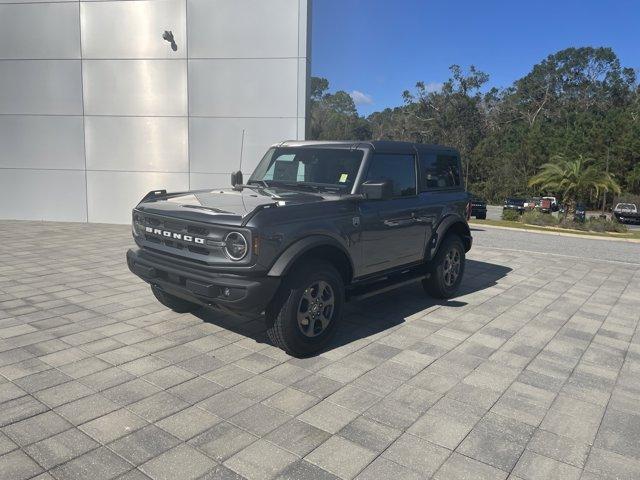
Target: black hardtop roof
column 383, row 146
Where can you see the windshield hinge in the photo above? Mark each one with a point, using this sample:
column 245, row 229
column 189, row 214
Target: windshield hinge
column 254, row 212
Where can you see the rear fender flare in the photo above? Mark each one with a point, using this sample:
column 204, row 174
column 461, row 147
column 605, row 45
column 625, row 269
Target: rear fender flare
column 449, row 222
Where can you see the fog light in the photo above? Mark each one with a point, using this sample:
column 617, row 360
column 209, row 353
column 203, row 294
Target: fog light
column 226, row 292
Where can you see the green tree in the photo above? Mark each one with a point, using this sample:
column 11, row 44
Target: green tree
column 574, row 79
column 451, row 114
column 577, row 101
column 574, row 180
column 333, row 116
column 633, row 179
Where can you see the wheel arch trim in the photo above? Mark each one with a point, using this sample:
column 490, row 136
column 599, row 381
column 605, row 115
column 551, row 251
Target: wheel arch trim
column 449, row 223
column 299, row 248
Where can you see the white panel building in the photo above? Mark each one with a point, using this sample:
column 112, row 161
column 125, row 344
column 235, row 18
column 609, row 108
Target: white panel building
column 96, row 108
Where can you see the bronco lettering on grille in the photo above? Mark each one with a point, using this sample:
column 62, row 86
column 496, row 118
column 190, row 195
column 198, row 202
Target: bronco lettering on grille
column 174, row 235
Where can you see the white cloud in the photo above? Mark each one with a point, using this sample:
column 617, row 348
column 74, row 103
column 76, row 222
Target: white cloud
column 360, row 98
column 433, row 86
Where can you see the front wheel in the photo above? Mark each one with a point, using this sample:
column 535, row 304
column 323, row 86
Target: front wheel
column 176, row 304
column 446, row 269
column 304, row 314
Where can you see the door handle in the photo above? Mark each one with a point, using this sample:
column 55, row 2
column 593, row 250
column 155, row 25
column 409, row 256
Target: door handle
column 418, row 218
column 399, row 222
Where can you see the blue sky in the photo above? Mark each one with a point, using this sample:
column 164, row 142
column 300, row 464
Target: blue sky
column 378, row 48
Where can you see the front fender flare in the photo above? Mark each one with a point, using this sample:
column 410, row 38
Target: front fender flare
column 299, row 248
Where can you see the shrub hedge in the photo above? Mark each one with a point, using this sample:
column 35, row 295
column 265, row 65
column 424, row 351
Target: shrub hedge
column 592, row 224
column 510, row 215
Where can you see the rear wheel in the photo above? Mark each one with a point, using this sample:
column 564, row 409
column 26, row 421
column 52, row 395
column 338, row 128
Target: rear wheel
column 176, row 304
column 304, row 314
column 446, row 269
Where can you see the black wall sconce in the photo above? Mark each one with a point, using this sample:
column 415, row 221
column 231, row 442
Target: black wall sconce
column 168, row 36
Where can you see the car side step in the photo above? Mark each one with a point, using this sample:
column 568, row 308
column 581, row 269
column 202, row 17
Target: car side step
column 366, row 291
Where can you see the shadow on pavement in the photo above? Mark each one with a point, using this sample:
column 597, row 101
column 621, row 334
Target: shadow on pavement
column 376, row 314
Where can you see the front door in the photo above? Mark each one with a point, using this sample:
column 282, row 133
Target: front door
column 393, row 232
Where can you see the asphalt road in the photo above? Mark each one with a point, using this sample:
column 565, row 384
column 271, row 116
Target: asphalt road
column 584, row 248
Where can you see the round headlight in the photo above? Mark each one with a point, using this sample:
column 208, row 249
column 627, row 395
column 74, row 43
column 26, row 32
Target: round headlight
column 235, row 245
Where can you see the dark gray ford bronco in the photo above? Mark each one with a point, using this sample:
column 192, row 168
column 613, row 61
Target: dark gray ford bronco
column 316, row 224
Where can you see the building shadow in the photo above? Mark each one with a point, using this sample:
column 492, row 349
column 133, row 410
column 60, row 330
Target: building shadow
column 376, row 314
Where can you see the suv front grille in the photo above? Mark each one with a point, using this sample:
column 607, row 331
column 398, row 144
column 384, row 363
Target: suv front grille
column 197, row 230
column 174, row 226
column 171, row 233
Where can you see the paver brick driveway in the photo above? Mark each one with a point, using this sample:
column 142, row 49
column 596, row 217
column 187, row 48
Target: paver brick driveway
column 533, row 372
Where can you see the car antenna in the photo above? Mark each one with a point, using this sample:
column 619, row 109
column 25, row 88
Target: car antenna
column 240, row 186
column 241, row 149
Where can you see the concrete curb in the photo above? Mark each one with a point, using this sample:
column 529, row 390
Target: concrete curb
column 558, row 234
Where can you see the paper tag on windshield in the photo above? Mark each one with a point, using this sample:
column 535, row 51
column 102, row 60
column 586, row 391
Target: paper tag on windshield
column 343, row 177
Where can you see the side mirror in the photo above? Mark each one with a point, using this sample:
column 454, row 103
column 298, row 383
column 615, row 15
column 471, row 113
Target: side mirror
column 236, row 178
column 378, row 190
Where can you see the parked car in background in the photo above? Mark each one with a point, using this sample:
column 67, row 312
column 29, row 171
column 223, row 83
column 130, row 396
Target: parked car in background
column 531, row 203
column 554, row 203
column 478, row 207
column 544, row 205
column 626, row 213
column 514, row 204
column 580, row 215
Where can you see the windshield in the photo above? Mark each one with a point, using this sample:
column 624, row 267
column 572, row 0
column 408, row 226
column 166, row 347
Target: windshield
column 514, row 201
column 319, row 168
column 626, row 206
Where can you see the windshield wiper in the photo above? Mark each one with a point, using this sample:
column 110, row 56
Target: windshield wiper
column 309, row 186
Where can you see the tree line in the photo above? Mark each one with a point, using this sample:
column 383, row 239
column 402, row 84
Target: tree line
column 577, row 104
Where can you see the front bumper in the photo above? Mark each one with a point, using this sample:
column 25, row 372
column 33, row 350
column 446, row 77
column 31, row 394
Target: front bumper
column 234, row 293
column 627, row 217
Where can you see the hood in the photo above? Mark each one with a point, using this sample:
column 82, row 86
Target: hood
column 226, row 206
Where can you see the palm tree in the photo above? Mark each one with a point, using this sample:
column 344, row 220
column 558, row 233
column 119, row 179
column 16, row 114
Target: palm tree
column 574, row 179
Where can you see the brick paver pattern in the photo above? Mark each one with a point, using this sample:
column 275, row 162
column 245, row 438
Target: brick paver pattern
column 532, row 372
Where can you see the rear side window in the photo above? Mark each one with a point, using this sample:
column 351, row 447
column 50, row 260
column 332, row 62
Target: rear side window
column 400, row 169
column 439, row 171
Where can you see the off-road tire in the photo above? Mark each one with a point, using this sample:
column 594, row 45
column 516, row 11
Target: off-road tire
column 176, row 304
column 436, row 285
column 282, row 314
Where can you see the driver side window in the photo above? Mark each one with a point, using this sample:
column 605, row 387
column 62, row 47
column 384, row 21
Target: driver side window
column 399, row 169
